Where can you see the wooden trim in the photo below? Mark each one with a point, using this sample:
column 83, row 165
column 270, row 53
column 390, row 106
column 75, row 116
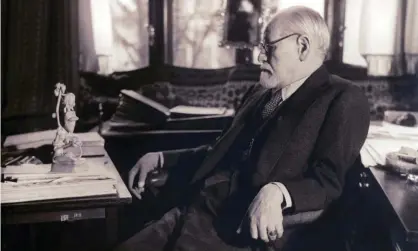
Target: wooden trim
column 4, row 48
column 336, row 20
column 56, row 216
column 168, row 31
column 404, row 6
column 157, row 20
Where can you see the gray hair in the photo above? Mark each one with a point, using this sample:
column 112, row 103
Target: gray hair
column 308, row 22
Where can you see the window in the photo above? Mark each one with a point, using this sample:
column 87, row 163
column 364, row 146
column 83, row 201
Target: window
column 113, row 35
column 195, row 32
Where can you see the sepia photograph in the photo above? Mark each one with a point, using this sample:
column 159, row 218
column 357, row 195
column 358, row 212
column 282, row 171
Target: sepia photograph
column 242, row 22
column 222, row 125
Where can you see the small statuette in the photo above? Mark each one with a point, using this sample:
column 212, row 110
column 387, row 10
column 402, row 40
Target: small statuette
column 67, row 146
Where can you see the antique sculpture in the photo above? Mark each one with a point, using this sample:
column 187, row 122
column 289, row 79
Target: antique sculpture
column 67, row 146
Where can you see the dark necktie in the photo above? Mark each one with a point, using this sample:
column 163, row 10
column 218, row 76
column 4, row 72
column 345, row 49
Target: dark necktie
column 274, row 99
column 271, row 105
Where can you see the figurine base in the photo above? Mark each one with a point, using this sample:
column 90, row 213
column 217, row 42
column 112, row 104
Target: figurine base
column 79, row 165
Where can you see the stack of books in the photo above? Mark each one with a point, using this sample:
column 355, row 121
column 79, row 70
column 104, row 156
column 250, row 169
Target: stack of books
column 37, row 139
column 92, row 142
column 136, row 107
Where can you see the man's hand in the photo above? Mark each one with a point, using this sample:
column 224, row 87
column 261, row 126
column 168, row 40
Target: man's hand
column 265, row 214
column 148, row 163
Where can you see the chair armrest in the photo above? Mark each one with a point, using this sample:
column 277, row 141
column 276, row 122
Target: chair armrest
column 158, row 179
column 293, row 220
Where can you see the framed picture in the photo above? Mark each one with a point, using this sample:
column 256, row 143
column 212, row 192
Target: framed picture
column 242, row 23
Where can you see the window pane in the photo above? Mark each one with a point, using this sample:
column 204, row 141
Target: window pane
column 130, row 49
column 351, row 54
column 196, row 35
column 113, row 35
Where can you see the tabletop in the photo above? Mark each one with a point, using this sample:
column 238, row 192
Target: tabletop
column 403, row 199
column 123, row 196
column 397, row 194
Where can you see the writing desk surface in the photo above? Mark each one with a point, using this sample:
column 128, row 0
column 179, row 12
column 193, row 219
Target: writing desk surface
column 123, row 196
column 400, row 196
column 403, row 199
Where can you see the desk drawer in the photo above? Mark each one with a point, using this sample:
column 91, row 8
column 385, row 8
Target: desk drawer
column 67, row 215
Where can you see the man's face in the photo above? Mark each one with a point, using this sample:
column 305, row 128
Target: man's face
column 278, row 60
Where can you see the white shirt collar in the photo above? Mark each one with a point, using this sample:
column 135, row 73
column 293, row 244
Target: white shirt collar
column 292, row 88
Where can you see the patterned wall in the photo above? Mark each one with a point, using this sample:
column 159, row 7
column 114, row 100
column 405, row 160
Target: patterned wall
column 390, row 94
column 383, row 94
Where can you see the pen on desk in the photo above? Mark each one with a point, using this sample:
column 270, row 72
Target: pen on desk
column 93, row 155
column 24, row 160
column 13, row 160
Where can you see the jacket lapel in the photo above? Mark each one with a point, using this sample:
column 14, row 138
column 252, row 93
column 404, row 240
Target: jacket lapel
column 225, row 142
column 289, row 115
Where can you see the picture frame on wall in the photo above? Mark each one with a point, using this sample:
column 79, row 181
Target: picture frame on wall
column 242, row 23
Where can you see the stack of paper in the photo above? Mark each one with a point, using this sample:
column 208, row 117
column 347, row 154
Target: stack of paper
column 17, row 192
column 375, row 150
column 36, row 182
column 37, row 139
column 188, row 111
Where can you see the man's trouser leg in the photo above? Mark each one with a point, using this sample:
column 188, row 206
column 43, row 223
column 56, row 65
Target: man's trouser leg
column 155, row 236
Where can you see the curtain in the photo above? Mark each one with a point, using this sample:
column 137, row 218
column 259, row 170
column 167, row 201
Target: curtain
column 411, row 37
column 38, row 51
column 196, row 35
column 113, row 35
column 388, row 35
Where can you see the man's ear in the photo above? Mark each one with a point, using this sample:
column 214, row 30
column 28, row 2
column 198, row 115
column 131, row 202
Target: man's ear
column 304, row 46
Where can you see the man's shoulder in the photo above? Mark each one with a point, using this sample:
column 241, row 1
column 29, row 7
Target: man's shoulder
column 338, row 81
column 345, row 86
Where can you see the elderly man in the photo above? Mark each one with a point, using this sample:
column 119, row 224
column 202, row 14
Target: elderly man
column 287, row 151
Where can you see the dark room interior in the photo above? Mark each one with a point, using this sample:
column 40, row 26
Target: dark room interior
column 162, row 75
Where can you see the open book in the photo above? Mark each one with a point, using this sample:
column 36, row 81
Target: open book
column 136, row 107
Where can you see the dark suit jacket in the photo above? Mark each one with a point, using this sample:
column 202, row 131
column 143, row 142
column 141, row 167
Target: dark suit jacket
column 315, row 139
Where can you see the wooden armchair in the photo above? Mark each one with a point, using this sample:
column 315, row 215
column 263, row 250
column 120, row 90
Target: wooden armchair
column 342, row 220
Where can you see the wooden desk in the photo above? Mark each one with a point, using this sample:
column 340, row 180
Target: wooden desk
column 397, row 203
column 392, row 198
column 62, row 210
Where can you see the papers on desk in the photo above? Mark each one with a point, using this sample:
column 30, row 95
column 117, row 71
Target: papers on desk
column 36, row 182
column 375, row 150
column 385, row 138
column 188, row 111
column 14, row 193
column 37, row 139
column 388, row 130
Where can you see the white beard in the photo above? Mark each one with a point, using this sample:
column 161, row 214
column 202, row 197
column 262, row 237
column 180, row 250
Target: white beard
column 268, row 80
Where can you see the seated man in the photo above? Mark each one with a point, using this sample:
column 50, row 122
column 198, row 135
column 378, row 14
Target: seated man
column 287, row 151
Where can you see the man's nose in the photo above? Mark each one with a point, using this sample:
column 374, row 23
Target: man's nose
column 262, row 58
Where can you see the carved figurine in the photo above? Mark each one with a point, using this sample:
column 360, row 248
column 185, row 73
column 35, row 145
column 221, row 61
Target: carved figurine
column 70, row 118
column 67, row 146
